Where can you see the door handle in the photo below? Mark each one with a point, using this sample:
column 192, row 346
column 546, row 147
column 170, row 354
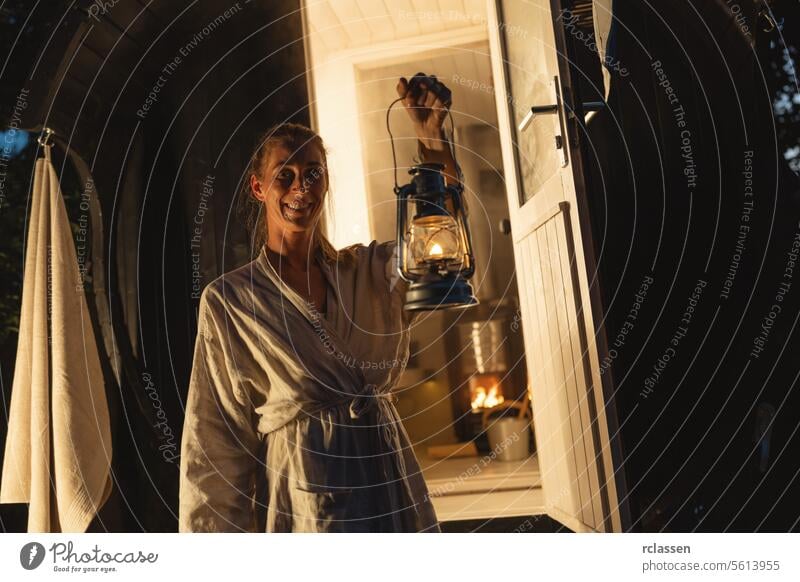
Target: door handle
column 556, row 108
column 549, row 109
column 540, row 110
column 544, row 109
column 593, row 106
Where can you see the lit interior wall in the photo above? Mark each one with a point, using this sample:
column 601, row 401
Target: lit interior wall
column 337, row 118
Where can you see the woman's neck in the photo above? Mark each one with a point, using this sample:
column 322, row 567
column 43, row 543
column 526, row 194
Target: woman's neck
column 290, row 249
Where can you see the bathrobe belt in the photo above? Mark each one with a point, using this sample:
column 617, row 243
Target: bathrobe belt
column 359, row 404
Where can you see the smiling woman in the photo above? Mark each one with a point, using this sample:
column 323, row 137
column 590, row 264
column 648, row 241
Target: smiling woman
column 284, row 195
column 288, row 170
column 271, row 404
column 290, row 411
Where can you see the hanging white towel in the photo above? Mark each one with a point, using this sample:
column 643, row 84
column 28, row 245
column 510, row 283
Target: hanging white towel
column 58, row 449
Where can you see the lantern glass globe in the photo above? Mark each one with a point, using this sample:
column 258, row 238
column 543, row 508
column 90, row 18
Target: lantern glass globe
column 435, row 240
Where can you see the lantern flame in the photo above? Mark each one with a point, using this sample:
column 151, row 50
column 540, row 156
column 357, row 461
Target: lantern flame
column 436, row 250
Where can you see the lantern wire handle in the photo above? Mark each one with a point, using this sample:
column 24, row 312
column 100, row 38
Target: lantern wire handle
column 450, row 144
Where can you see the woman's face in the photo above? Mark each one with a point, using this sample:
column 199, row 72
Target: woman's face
column 292, row 187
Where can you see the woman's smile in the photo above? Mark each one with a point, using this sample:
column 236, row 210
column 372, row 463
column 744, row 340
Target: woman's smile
column 296, row 209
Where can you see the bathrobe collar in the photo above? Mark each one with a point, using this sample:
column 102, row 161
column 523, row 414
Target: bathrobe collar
column 299, row 302
column 309, row 313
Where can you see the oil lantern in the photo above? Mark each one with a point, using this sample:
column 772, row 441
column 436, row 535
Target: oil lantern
column 433, row 242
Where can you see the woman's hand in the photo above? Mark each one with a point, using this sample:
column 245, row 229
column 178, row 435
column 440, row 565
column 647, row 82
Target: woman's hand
column 427, row 105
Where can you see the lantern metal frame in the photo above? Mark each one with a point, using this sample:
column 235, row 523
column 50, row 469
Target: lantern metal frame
column 434, row 290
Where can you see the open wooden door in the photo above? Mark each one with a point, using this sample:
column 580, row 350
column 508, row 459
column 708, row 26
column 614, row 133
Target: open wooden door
column 574, row 415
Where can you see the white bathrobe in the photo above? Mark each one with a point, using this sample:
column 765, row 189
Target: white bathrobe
column 290, row 424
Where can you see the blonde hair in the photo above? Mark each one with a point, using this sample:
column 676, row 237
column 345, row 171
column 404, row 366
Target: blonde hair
column 292, row 136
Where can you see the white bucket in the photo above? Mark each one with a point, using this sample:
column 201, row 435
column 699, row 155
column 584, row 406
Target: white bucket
column 510, row 438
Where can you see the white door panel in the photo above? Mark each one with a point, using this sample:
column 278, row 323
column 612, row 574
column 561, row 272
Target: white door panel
column 568, row 400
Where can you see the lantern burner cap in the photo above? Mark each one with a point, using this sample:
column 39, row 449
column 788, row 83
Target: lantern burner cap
column 428, row 178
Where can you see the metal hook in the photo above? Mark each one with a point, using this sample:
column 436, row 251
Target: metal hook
column 44, row 137
column 768, row 21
